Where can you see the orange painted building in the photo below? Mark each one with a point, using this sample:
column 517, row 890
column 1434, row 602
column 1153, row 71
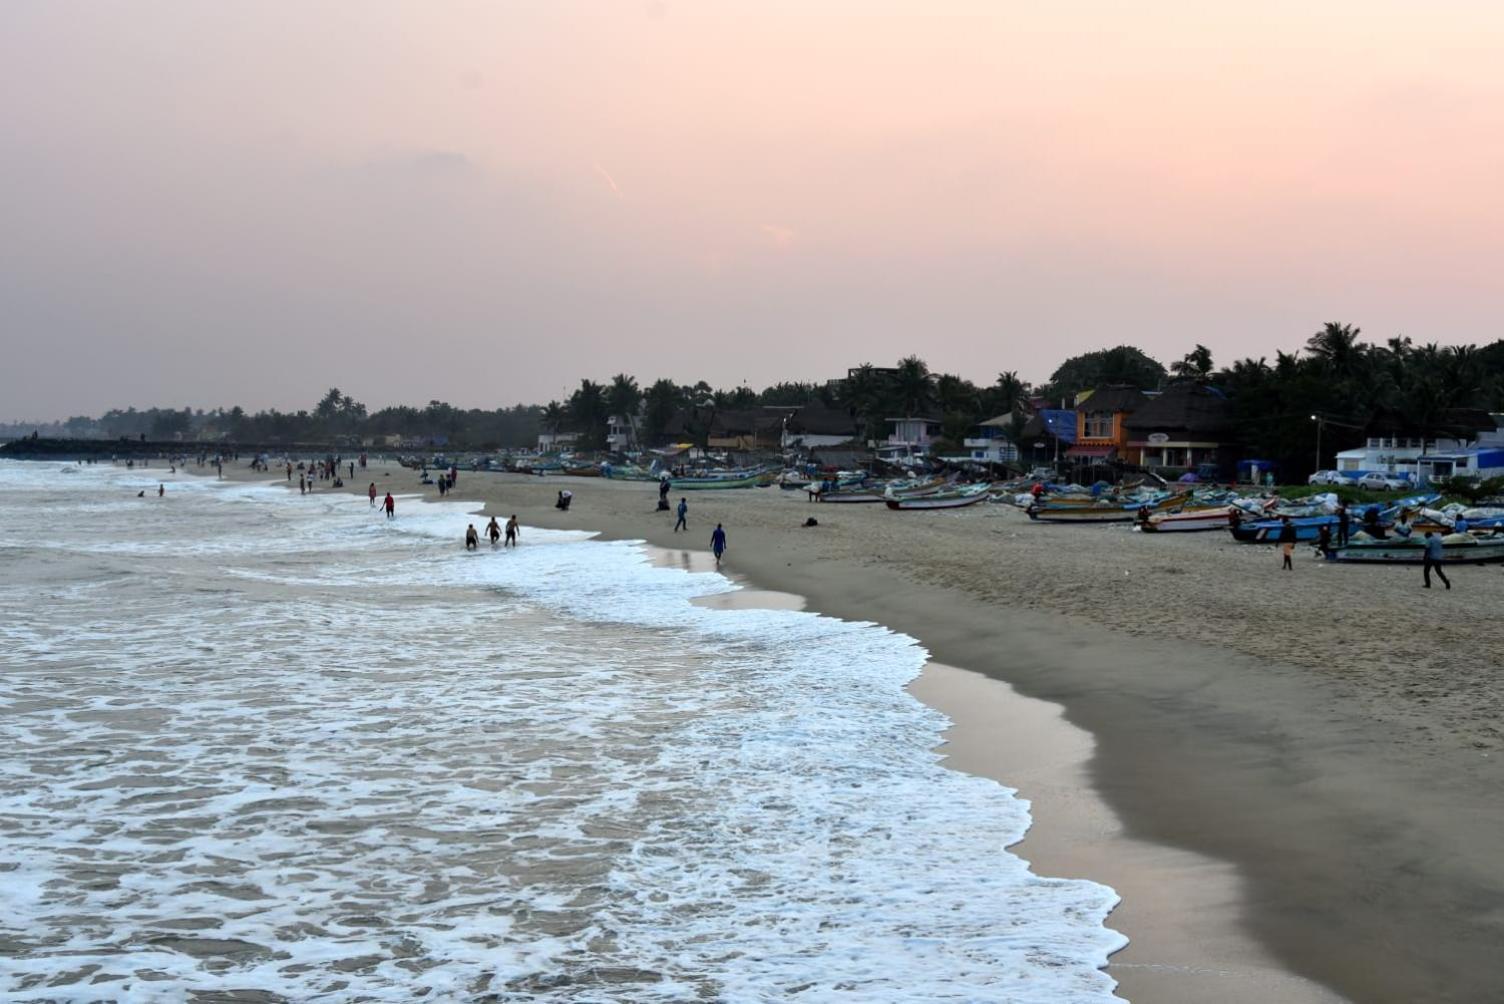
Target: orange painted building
column 1102, row 423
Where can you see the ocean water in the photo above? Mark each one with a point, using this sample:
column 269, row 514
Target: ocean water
column 258, row 746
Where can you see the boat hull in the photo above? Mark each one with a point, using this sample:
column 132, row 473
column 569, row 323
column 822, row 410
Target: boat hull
column 1413, row 552
column 937, row 501
column 1189, row 522
column 1100, row 514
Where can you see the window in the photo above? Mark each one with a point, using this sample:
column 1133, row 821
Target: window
column 1099, row 425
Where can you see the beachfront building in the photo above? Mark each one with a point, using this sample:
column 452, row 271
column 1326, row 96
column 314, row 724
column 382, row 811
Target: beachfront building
column 814, row 425
column 1102, row 424
column 990, row 442
column 1186, row 427
column 745, row 429
column 621, row 433
column 1395, row 444
column 913, row 435
column 1047, row 436
column 558, row 440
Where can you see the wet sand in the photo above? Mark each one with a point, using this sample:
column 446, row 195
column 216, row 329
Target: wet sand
column 1322, row 747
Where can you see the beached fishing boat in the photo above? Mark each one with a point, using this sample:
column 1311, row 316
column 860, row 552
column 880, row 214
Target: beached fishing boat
column 970, row 495
column 1266, row 531
column 702, row 484
column 1115, row 512
column 1457, row 549
column 878, row 491
column 1189, row 520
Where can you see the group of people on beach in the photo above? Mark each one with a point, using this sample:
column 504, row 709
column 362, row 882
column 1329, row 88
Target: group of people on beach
column 1431, row 561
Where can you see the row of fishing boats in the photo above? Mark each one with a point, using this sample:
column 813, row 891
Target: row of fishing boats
column 1379, row 534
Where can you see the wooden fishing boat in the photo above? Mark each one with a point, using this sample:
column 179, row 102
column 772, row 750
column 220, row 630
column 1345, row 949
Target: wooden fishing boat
column 1456, row 549
column 880, row 492
column 1188, row 520
column 969, row 495
column 702, row 484
column 1110, row 513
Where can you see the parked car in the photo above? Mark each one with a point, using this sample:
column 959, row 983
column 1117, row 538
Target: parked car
column 1377, row 482
column 1329, row 478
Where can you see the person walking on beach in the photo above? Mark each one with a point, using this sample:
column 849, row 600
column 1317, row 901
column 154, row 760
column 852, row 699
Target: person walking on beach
column 472, row 539
column 718, row 543
column 161, row 490
column 371, row 494
column 683, row 512
column 289, row 472
column 1287, row 543
column 1344, row 520
column 391, row 506
column 1432, row 560
column 512, row 529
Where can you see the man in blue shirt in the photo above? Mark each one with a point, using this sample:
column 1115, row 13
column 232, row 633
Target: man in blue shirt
column 718, row 543
column 683, row 511
column 1432, row 559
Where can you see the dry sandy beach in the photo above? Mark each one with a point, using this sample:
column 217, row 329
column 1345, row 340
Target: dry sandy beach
column 1292, row 778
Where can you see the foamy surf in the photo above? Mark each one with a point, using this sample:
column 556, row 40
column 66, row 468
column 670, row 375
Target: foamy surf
column 262, row 742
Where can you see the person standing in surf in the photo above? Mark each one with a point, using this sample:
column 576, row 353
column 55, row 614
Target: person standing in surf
column 472, row 539
column 718, row 543
column 371, row 494
column 513, row 527
column 390, row 506
column 493, row 530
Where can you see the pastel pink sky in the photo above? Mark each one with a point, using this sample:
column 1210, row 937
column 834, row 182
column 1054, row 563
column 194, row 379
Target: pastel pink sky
column 219, row 203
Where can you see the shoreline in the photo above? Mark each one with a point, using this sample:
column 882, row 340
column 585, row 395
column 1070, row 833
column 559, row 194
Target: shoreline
column 1367, row 855
column 1177, row 908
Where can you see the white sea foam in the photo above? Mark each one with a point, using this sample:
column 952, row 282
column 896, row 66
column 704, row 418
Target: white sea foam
column 261, row 741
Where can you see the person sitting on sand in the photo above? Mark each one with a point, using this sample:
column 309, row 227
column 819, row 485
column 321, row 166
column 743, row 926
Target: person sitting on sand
column 472, row 539
column 513, row 527
column 493, row 530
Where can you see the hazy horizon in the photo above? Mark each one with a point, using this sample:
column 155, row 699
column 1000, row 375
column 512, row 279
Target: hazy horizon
column 483, row 203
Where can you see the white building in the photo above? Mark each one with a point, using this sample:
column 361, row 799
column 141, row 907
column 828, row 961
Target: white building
column 1421, row 459
column 556, row 441
column 620, row 434
column 914, row 434
column 989, row 442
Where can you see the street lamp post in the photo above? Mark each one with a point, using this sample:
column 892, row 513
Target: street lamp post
column 1319, row 423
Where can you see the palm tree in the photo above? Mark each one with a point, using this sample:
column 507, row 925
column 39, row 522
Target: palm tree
column 587, row 409
column 862, row 396
column 623, row 398
column 913, row 387
column 663, row 399
column 1336, row 348
column 956, row 395
column 1197, row 364
column 553, row 416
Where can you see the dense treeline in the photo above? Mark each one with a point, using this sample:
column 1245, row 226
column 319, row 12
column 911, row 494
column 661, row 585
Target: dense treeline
column 1337, row 376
